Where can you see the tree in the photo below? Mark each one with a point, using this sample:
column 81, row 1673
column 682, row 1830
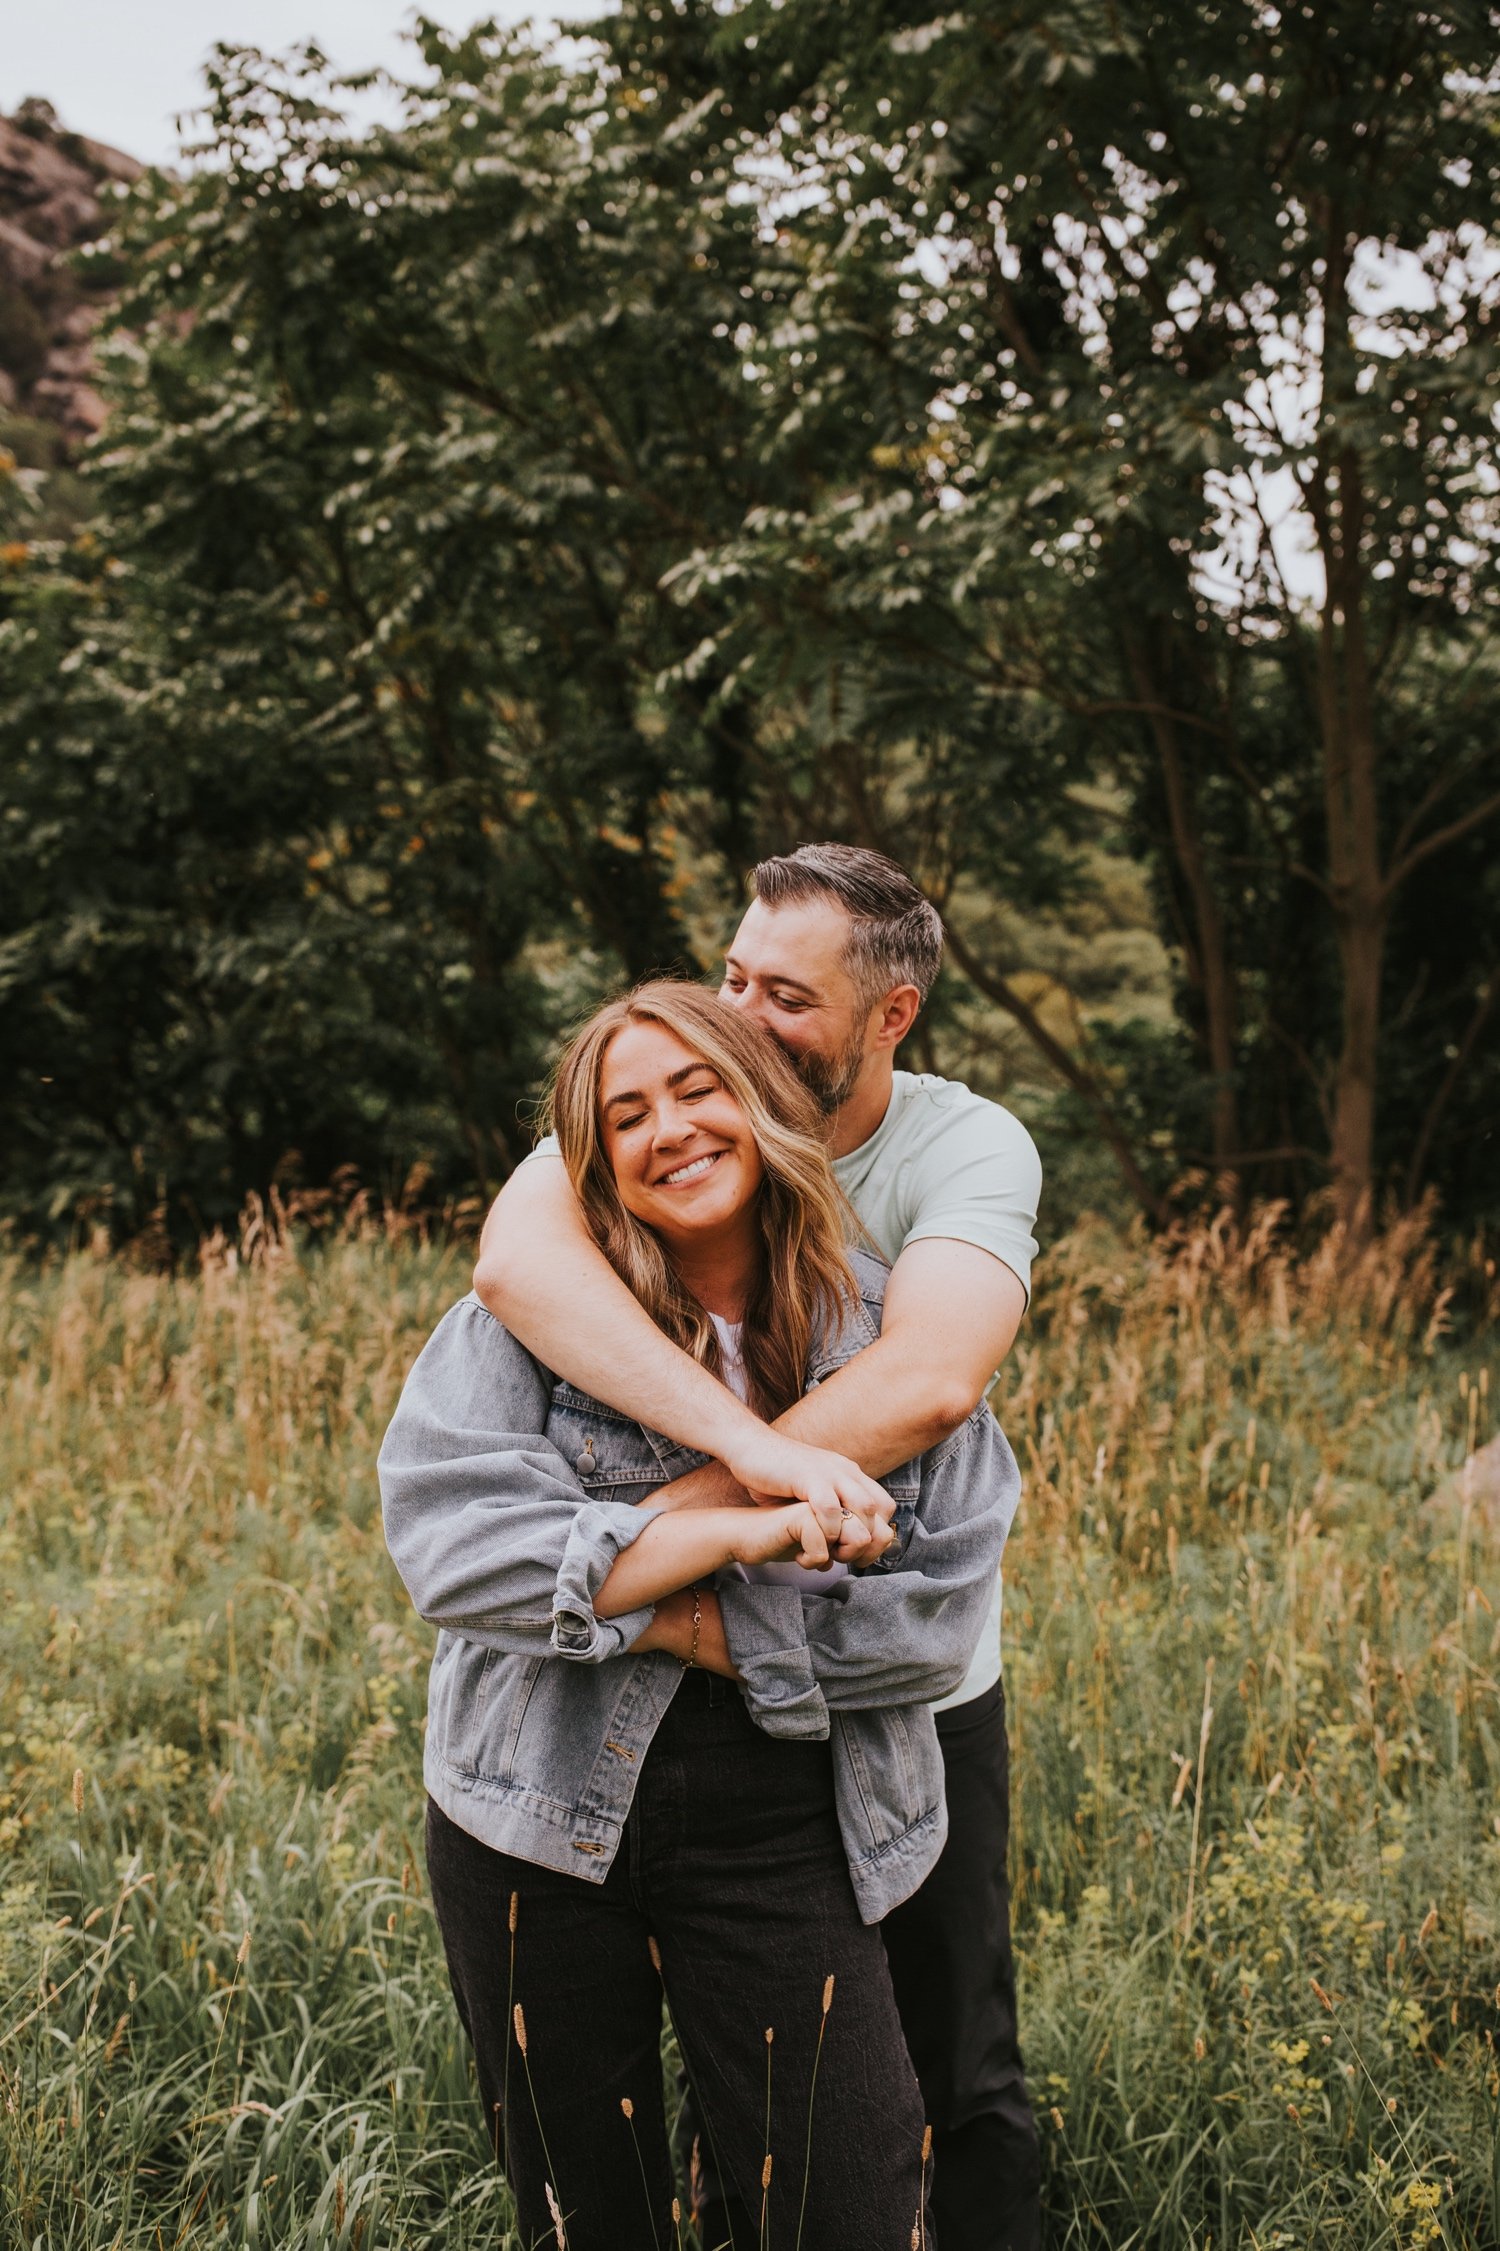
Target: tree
column 1160, row 343
column 381, row 646
column 753, row 423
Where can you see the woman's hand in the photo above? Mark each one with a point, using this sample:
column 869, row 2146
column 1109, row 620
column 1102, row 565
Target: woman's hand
column 812, row 1533
column 773, row 1468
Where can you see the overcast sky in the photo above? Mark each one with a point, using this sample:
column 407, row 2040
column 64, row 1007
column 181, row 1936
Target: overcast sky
column 121, row 72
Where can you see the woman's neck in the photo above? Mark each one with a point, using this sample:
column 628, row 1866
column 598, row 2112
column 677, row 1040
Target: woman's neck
column 721, row 1269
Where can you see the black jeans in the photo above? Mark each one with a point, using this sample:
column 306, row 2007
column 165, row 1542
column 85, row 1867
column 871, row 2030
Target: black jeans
column 731, row 1872
column 950, row 1956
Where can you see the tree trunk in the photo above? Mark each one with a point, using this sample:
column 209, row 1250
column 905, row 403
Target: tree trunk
column 1361, row 955
column 1208, row 958
column 1361, row 906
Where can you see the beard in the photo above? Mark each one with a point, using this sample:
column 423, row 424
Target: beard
column 829, row 1079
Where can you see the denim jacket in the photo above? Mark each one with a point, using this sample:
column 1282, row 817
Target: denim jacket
column 508, row 1495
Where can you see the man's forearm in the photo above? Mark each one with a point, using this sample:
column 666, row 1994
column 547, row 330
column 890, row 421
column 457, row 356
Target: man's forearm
column 881, row 1409
column 952, row 1311
column 541, row 1273
column 543, row 1276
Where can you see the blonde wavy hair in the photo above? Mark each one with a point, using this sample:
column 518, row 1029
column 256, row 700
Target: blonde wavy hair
column 805, row 1278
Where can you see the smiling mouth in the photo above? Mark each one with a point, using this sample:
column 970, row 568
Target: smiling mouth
column 685, row 1175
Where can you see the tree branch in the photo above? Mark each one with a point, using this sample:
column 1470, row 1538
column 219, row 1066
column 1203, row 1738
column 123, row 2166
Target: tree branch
column 1421, row 1147
column 1004, row 995
column 1439, row 839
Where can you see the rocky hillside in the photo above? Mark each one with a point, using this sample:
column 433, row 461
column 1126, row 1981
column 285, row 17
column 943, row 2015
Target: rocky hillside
column 53, row 198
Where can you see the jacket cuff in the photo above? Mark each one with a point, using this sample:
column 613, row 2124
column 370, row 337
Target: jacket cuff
column 767, row 1637
column 600, row 1531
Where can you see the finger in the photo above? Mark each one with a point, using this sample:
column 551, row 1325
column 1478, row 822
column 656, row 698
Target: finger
column 855, row 1552
column 874, row 1511
column 828, row 1514
column 872, row 1542
column 855, row 1536
column 849, row 1486
column 813, row 1548
column 862, row 1493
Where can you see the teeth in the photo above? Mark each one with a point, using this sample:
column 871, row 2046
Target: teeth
column 689, row 1172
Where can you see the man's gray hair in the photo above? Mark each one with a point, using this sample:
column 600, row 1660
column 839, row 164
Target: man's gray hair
column 896, row 933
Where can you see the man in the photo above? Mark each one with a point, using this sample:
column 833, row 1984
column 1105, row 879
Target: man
column 835, row 956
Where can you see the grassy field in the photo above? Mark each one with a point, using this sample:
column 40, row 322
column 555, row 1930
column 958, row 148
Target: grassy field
column 1255, row 1699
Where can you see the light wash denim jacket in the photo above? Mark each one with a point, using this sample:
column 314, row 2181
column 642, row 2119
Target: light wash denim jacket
column 507, row 1497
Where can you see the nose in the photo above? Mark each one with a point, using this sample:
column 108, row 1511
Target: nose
column 672, row 1127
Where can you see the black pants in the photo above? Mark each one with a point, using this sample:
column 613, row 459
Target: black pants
column 731, row 1863
column 950, row 1956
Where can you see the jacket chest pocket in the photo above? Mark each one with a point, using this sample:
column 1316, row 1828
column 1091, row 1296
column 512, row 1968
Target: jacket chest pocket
column 612, row 1459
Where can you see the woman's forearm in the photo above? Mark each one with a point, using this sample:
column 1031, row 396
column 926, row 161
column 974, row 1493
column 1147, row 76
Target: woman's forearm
column 681, row 1547
column 675, row 1549
column 690, row 1627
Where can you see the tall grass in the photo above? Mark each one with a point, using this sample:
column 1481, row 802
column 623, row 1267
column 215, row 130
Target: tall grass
column 1252, row 1673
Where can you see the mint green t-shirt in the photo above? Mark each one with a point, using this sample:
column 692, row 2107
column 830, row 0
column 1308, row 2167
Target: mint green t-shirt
column 944, row 1162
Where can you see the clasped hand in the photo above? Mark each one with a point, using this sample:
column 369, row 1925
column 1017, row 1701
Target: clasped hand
column 836, row 1514
column 814, row 1534
column 774, row 1469
column 806, row 1504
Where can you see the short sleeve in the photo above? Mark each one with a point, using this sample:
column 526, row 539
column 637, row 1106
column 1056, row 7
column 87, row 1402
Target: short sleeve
column 975, row 1177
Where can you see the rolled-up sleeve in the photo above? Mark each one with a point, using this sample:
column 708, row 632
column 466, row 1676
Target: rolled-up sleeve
column 902, row 1634
column 493, row 1535
column 599, row 1532
column 767, row 1637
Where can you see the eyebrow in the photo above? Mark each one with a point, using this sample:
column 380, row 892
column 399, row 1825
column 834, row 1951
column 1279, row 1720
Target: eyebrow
column 776, row 977
column 674, row 1078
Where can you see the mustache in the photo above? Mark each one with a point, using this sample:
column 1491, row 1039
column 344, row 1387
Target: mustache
column 829, row 1079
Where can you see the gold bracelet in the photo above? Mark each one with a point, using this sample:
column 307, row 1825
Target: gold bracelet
column 692, row 1655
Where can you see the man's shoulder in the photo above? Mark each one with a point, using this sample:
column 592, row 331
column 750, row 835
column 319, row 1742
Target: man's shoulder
column 947, row 1109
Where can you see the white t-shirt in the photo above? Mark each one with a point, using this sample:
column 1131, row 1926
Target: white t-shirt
column 943, row 1163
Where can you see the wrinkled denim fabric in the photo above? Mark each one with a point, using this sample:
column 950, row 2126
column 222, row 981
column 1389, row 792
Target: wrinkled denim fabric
column 507, row 1497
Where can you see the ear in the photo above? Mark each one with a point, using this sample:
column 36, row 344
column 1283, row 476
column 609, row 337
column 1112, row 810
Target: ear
column 893, row 1017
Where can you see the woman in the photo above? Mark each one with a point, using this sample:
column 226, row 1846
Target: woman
column 685, row 1748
